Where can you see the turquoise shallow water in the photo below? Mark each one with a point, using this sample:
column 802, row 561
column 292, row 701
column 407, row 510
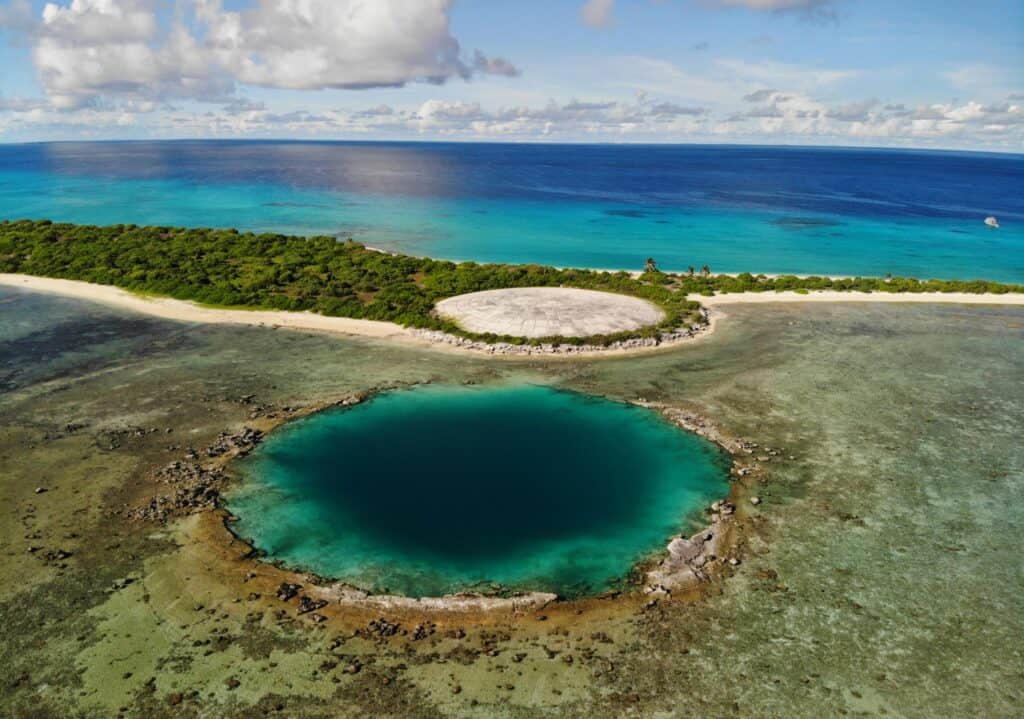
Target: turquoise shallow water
column 736, row 209
column 439, row 489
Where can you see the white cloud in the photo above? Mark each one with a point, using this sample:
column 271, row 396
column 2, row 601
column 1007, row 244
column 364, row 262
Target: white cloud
column 792, row 118
column 982, row 80
column 93, row 49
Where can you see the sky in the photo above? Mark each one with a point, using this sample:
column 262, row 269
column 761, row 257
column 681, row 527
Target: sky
column 905, row 73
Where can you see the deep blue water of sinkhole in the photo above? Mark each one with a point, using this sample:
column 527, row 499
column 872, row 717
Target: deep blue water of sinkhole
column 438, row 489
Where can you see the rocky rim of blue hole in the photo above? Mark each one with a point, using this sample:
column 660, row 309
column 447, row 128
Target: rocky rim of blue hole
column 686, row 564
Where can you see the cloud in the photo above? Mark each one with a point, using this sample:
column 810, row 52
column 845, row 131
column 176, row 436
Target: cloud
column 791, row 118
column 759, row 95
column 765, row 111
column 701, row 46
column 792, row 77
column 597, row 13
column 493, row 65
column 815, row 10
column 92, row 49
column 575, row 105
column 16, row 18
column 983, row 79
column 377, row 111
column 853, row 112
column 668, row 108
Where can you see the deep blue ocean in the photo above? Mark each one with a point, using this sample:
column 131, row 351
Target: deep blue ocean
column 759, row 209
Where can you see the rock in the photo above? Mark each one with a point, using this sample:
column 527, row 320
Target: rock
column 175, row 699
column 307, row 605
column 286, row 591
column 232, row 683
column 380, row 627
column 40, row 490
column 422, row 631
column 755, row 500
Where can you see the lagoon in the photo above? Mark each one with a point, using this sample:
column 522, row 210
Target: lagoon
column 828, row 211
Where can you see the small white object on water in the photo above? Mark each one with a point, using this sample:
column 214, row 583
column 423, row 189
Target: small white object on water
column 992, row 222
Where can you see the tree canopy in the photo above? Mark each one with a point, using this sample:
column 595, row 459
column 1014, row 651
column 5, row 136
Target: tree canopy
column 344, row 278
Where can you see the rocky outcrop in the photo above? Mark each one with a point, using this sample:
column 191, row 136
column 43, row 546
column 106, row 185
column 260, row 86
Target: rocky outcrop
column 688, row 560
column 464, row 602
column 506, row 348
column 191, row 486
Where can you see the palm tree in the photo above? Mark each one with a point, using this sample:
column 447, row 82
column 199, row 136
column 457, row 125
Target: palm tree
column 705, row 270
column 650, row 265
column 690, row 270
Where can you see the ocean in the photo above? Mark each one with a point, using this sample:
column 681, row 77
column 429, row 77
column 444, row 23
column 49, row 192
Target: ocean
column 733, row 208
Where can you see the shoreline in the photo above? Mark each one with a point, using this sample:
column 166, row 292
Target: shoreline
column 187, row 311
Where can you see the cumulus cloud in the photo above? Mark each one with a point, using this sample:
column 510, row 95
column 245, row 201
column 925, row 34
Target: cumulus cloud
column 759, row 95
column 852, row 112
column 90, row 49
column 797, row 118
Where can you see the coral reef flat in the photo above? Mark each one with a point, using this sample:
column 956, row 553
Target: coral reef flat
column 877, row 538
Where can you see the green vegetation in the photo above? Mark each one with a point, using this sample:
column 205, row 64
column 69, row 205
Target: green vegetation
column 228, row 268
column 345, row 279
column 746, row 282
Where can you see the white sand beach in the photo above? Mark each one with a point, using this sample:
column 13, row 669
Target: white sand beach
column 184, row 311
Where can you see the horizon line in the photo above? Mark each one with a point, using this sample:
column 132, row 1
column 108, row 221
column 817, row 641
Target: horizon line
column 538, row 143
